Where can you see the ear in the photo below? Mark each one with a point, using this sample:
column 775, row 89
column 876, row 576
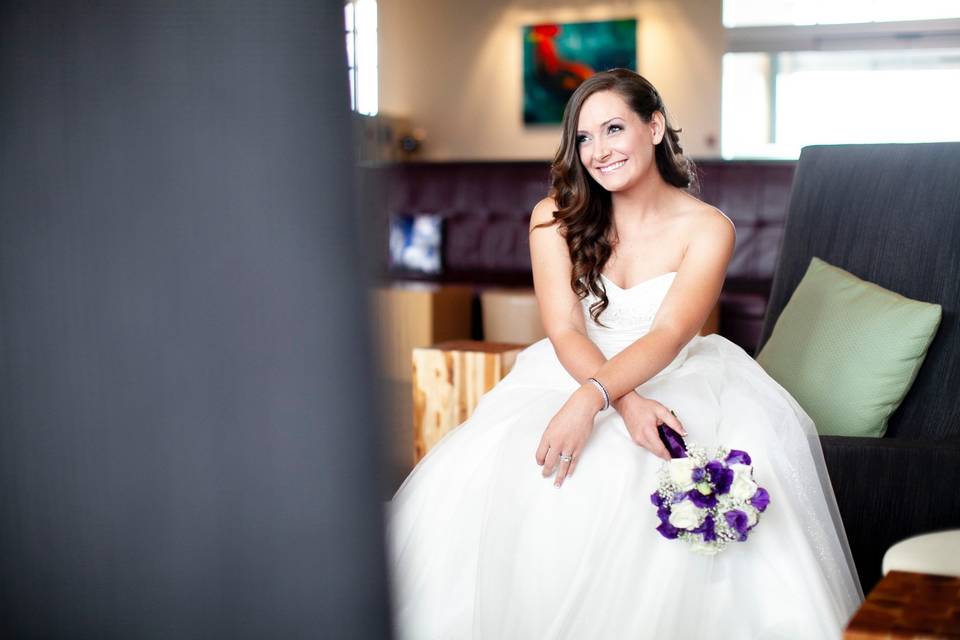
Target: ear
column 658, row 125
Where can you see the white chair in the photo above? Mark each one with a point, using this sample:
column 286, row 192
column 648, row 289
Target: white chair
column 936, row 553
column 511, row 315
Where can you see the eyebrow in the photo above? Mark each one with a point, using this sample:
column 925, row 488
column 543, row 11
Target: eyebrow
column 603, row 124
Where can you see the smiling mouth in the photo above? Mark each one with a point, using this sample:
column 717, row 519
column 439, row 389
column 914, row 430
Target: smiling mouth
column 612, row 167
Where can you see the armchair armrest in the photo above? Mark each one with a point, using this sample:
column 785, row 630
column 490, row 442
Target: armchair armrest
column 889, row 489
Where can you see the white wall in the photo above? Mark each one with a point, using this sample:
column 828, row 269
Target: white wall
column 454, row 67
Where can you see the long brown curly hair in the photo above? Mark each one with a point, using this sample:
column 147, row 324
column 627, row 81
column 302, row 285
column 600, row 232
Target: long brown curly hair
column 584, row 208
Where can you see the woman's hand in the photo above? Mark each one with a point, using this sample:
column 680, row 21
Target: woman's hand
column 642, row 416
column 567, row 433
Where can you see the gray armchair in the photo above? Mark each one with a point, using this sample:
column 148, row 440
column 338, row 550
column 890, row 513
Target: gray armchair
column 889, row 214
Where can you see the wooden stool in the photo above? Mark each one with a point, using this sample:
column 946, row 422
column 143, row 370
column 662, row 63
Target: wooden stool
column 448, row 380
column 909, row 605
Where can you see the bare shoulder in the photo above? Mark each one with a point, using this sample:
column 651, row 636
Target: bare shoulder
column 543, row 212
column 707, row 223
column 717, row 224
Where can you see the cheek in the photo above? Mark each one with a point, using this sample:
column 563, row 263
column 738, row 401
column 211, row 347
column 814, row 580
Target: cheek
column 584, row 156
column 632, row 144
column 642, row 147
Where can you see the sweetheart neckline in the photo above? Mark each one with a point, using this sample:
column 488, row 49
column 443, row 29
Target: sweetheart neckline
column 639, row 284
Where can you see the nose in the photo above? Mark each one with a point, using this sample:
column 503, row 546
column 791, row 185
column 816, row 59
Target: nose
column 600, row 151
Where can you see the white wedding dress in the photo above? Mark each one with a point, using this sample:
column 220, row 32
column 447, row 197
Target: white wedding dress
column 481, row 545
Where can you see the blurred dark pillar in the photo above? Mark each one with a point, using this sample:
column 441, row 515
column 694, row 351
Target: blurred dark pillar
column 188, row 446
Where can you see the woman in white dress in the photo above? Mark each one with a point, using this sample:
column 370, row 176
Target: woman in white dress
column 532, row 519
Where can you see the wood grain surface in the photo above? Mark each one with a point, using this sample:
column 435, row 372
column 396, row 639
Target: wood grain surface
column 909, row 605
column 448, row 382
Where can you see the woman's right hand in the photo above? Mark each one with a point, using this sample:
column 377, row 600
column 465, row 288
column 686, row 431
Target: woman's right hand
column 642, row 416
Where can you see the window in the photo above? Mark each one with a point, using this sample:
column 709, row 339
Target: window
column 752, row 13
column 811, row 80
column 360, row 18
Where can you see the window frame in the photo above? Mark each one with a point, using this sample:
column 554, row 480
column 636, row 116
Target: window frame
column 870, row 36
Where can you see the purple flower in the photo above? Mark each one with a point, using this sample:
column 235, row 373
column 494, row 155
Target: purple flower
column 737, row 457
column 668, row 531
column 699, row 474
column 672, row 441
column 720, row 476
column 703, row 501
column 707, row 529
column 760, row 499
column 739, row 522
column 656, row 499
column 663, row 513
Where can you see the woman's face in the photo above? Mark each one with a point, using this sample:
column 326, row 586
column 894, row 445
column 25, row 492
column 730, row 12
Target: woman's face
column 614, row 143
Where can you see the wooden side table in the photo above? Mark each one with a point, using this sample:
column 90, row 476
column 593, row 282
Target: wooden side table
column 448, row 380
column 909, row 605
column 408, row 315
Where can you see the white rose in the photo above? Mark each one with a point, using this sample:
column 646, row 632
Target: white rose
column 743, row 487
column 685, row 515
column 704, row 548
column 742, row 470
column 681, row 472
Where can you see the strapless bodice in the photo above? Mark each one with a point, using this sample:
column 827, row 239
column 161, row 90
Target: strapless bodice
column 629, row 315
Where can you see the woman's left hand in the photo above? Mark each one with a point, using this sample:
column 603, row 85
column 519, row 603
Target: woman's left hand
column 568, row 432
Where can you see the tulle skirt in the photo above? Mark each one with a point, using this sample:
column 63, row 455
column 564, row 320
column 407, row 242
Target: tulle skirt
column 481, row 545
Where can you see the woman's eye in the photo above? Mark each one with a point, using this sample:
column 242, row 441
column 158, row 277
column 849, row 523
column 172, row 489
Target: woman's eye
column 614, row 126
column 581, row 139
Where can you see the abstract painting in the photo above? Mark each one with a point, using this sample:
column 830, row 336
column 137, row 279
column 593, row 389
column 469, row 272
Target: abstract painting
column 558, row 57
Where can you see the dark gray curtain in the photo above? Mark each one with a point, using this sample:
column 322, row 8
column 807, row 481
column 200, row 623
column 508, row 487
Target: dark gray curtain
column 187, row 443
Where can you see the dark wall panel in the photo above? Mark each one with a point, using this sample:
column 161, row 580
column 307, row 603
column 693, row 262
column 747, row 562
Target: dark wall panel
column 187, row 446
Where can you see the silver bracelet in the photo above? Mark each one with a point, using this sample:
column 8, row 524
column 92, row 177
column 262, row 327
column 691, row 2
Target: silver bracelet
column 603, row 391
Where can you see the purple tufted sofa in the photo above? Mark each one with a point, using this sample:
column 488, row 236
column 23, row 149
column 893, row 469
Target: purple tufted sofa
column 486, row 211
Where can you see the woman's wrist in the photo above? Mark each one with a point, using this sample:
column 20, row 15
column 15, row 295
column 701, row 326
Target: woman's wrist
column 602, row 390
column 625, row 400
column 592, row 396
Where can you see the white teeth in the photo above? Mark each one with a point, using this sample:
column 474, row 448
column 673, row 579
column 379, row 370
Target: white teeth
column 612, row 167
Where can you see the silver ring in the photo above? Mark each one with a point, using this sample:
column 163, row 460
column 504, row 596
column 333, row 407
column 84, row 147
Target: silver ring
column 564, row 458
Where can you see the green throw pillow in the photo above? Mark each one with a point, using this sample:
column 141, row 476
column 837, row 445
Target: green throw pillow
column 848, row 350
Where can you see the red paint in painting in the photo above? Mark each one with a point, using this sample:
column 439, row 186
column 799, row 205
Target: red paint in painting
column 554, row 69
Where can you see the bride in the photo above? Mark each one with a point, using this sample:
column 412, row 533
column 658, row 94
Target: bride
column 532, row 519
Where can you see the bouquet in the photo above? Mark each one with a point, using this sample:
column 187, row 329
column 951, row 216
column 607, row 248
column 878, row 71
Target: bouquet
column 707, row 499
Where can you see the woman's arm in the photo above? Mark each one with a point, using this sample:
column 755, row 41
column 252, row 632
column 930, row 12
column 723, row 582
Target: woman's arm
column 692, row 296
column 559, row 306
column 563, row 321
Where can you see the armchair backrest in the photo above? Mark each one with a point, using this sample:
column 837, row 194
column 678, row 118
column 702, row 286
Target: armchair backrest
column 890, row 214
